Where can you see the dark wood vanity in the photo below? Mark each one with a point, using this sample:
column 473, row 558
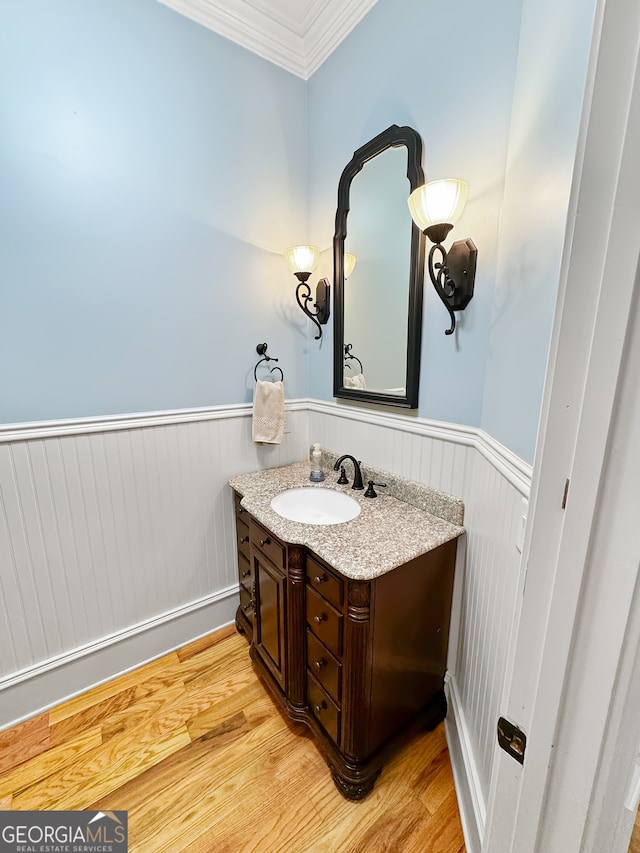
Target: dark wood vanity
column 361, row 662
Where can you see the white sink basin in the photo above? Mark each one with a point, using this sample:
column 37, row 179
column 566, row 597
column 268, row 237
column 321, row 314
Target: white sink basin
column 315, row 506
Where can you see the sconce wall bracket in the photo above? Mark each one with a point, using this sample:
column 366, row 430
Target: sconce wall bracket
column 453, row 276
column 322, row 304
column 461, row 261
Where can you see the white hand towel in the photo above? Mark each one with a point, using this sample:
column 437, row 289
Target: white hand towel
column 268, row 412
column 356, row 381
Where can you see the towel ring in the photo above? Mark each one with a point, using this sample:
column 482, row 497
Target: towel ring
column 261, row 349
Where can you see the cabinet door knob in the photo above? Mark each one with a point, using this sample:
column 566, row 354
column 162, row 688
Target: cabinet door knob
column 246, row 573
column 241, row 510
column 320, row 708
column 266, row 541
column 321, row 618
column 320, row 663
column 244, row 539
column 320, row 578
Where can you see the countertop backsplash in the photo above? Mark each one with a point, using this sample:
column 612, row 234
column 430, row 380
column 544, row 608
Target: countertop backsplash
column 419, row 495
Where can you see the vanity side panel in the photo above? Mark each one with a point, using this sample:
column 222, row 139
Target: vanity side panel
column 410, row 639
column 245, row 611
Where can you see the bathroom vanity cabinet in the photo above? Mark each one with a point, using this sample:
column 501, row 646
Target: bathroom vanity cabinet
column 361, row 662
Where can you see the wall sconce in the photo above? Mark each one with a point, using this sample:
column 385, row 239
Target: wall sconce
column 302, row 261
column 435, row 207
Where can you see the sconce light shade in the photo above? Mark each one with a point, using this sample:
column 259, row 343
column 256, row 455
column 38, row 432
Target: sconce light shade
column 438, row 202
column 349, row 264
column 435, row 207
column 302, row 259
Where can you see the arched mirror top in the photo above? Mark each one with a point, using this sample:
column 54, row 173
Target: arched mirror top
column 378, row 310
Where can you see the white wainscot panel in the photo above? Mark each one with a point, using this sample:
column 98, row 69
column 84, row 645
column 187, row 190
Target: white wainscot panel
column 117, row 544
column 113, row 528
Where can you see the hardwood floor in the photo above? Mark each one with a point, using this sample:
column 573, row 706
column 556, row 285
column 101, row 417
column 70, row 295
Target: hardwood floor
column 193, row 748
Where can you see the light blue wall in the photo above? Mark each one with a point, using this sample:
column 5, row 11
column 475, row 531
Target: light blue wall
column 550, row 83
column 448, row 70
column 497, row 101
column 150, row 172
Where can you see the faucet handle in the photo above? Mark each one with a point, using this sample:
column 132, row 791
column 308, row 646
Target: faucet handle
column 371, row 493
column 342, row 481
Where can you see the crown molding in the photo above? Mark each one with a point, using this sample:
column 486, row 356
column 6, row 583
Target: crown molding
column 330, row 28
column 266, row 28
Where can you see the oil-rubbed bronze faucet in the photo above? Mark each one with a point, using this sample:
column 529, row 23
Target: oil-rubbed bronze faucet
column 357, row 471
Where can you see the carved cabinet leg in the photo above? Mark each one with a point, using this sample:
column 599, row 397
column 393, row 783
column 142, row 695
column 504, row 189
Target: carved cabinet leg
column 354, row 790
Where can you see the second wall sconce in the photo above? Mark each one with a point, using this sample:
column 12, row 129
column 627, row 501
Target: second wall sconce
column 302, row 261
column 349, row 264
column 435, row 208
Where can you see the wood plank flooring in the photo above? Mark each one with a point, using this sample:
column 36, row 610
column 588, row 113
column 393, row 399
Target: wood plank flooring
column 193, row 748
column 634, row 844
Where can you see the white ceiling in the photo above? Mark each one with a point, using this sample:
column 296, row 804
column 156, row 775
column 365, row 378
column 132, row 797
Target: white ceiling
column 296, row 34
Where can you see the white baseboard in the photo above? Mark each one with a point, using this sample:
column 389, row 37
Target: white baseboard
column 471, row 802
column 38, row 688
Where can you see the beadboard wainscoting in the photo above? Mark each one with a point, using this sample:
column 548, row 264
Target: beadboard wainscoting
column 494, row 484
column 117, row 545
column 117, row 542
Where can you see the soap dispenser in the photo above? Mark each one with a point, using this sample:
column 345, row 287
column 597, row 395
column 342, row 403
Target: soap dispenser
column 317, row 474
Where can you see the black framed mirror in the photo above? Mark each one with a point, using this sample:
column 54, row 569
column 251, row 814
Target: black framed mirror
column 378, row 307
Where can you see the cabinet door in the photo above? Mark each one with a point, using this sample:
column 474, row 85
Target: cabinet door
column 270, row 617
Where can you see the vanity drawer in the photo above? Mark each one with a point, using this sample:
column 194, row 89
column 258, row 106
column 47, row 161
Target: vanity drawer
column 324, row 708
column 245, row 575
column 246, row 603
column 242, row 538
column 324, row 666
column 324, row 621
column 268, row 544
column 327, row 584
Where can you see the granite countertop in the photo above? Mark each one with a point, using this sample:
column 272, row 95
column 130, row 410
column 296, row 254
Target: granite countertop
column 388, row 532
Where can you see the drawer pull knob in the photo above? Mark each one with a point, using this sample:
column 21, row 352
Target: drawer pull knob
column 320, row 708
column 244, row 539
column 246, row 573
column 320, row 663
column 320, row 578
column 266, row 541
column 241, row 510
column 321, row 618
